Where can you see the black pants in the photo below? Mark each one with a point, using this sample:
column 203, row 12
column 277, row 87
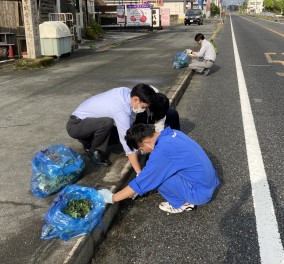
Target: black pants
column 100, row 132
column 95, row 131
column 172, row 119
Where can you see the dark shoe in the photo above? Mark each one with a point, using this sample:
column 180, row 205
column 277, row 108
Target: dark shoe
column 205, row 72
column 86, row 145
column 98, row 158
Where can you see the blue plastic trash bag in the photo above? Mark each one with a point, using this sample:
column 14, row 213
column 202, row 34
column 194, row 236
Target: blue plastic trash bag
column 180, row 60
column 60, row 225
column 54, row 168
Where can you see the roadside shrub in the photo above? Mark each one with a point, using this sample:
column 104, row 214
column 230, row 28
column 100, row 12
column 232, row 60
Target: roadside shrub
column 215, row 10
column 94, row 30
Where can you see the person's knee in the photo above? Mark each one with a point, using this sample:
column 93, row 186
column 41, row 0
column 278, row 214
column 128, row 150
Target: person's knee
column 108, row 123
column 172, row 119
column 172, row 113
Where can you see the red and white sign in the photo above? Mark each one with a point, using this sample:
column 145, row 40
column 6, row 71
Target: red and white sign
column 120, row 14
column 139, row 15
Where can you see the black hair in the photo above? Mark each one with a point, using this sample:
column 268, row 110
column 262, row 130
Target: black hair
column 137, row 133
column 145, row 93
column 199, row 36
column 160, row 107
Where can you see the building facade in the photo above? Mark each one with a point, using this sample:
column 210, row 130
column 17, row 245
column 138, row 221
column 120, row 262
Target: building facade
column 255, row 6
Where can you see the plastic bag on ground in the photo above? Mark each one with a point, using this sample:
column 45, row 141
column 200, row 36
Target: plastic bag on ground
column 60, row 225
column 54, row 168
column 180, row 60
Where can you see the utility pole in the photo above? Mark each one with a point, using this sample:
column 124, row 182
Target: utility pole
column 31, row 28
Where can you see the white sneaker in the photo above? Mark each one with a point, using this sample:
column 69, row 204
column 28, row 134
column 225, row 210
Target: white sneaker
column 165, row 206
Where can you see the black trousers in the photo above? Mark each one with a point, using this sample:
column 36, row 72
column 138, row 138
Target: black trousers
column 100, row 132
column 95, row 131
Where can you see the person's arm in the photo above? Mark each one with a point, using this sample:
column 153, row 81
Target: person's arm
column 201, row 52
column 123, row 194
column 191, row 53
column 133, row 158
column 109, row 197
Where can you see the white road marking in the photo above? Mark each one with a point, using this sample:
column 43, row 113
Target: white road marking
column 270, row 245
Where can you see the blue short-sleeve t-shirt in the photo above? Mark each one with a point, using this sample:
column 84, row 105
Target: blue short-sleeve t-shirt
column 177, row 167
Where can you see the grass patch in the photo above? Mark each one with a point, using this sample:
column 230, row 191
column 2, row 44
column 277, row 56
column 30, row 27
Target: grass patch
column 216, row 32
column 34, row 63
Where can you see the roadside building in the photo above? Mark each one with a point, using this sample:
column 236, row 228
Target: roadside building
column 255, row 6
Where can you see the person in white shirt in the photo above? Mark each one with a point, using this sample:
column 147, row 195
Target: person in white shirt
column 202, row 60
column 94, row 119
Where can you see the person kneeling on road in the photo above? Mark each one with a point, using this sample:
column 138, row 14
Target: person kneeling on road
column 177, row 167
column 204, row 59
column 106, row 114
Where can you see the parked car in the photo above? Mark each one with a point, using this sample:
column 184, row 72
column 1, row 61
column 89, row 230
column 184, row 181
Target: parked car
column 193, row 16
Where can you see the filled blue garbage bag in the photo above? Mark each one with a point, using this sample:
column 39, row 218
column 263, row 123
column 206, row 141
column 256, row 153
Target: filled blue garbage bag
column 180, row 60
column 60, row 225
column 53, row 168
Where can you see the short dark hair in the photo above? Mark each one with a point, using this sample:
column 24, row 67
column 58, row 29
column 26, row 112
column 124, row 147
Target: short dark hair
column 137, row 133
column 199, row 36
column 145, row 93
column 160, row 107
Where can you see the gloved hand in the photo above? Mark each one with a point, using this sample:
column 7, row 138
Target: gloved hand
column 188, row 51
column 107, row 194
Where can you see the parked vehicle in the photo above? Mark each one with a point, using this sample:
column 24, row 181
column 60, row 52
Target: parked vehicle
column 193, row 16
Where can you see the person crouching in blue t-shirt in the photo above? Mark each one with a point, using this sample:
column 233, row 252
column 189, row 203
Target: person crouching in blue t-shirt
column 177, row 167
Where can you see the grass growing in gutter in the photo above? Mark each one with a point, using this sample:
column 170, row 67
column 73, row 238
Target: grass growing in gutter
column 216, row 32
column 34, row 63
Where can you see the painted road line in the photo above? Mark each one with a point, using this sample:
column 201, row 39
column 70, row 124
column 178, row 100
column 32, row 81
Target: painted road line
column 270, row 245
column 274, row 31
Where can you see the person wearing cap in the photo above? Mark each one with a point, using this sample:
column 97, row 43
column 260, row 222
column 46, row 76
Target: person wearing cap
column 202, row 60
column 93, row 121
column 177, row 167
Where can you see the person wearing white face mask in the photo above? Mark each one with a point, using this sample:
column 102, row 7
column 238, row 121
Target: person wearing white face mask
column 139, row 109
column 110, row 113
column 177, row 167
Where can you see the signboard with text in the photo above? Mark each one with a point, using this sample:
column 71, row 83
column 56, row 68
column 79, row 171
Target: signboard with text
column 139, row 15
column 120, row 14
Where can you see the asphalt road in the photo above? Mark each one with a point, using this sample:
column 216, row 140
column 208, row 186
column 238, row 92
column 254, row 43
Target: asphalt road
column 227, row 230
column 35, row 106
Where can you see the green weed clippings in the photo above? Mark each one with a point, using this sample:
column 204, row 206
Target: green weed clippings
column 78, row 208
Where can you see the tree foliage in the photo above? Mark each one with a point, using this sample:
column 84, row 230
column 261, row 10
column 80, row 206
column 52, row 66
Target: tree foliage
column 275, row 6
column 215, row 10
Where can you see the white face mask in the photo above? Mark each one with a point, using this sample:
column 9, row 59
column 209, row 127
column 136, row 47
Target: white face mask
column 138, row 110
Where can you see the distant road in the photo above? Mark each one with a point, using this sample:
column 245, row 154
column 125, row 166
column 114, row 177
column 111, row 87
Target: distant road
column 237, row 115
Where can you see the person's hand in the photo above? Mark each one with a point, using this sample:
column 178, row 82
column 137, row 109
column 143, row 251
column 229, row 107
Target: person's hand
column 188, row 51
column 107, row 194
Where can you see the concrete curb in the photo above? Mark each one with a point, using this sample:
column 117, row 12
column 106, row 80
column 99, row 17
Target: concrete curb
column 84, row 249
